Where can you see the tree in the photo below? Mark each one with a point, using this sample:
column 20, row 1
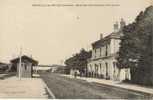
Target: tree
column 70, row 63
column 79, row 60
column 136, row 48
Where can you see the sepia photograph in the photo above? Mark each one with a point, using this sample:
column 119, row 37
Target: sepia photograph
column 76, row 49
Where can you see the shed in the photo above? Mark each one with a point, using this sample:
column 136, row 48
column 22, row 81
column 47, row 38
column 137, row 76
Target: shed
column 27, row 64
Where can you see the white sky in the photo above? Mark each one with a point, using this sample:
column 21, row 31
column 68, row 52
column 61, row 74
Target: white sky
column 52, row 34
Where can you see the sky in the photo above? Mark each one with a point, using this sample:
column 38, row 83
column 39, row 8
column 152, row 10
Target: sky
column 52, row 34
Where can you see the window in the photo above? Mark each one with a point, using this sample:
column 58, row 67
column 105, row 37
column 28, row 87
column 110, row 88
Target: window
column 95, row 52
column 22, row 65
column 96, row 68
column 25, row 66
column 114, row 65
column 100, row 68
column 100, row 52
column 90, row 67
column 106, row 53
column 106, row 69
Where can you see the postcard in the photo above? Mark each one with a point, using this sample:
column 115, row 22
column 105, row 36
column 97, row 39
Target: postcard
column 76, row 49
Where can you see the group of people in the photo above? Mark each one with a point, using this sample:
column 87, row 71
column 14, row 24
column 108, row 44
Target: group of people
column 75, row 72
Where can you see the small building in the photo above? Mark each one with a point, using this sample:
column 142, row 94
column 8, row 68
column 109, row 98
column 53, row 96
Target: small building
column 4, row 67
column 27, row 64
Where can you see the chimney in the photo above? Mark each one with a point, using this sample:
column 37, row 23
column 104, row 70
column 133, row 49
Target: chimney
column 101, row 36
column 116, row 27
column 122, row 23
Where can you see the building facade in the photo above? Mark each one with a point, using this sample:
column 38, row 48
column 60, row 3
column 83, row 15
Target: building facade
column 102, row 64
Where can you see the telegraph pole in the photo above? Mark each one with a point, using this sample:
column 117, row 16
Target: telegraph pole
column 152, row 49
column 20, row 64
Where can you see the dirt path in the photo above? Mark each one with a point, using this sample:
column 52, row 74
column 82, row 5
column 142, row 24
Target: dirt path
column 68, row 88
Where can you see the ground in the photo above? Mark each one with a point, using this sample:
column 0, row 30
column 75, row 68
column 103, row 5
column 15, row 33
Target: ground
column 13, row 87
column 71, row 88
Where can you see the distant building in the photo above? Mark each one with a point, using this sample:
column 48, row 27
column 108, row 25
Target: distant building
column 42, row 68
column 49, row 68
column 4, row 67
column 58, row 68
column 27, row 64
column 104, row 51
